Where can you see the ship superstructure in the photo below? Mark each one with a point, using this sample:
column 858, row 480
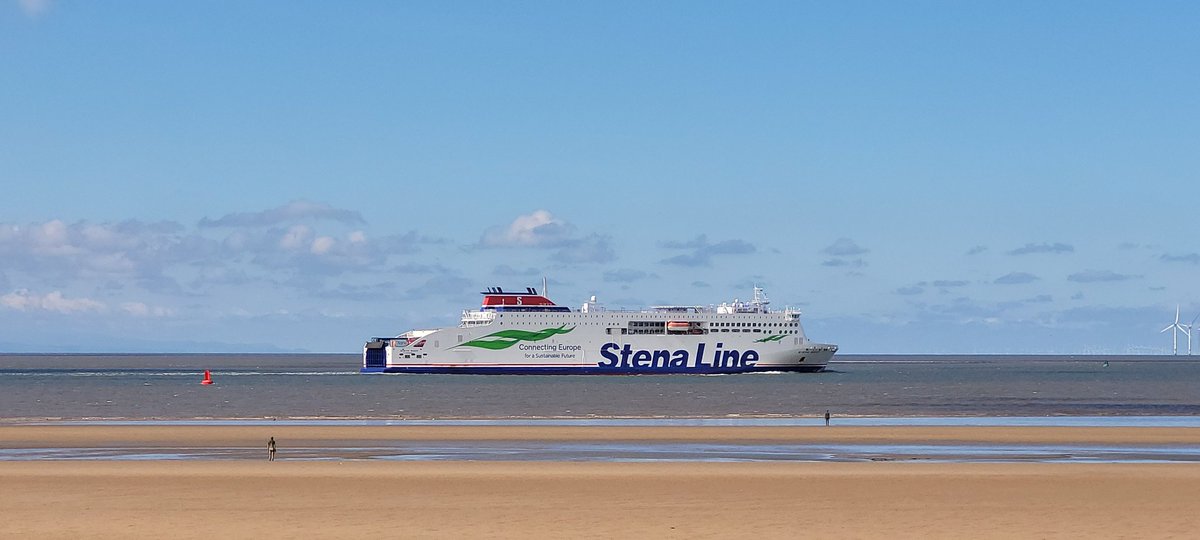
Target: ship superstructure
column 526, row 333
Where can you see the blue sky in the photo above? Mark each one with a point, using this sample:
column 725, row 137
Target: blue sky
column 918, row 177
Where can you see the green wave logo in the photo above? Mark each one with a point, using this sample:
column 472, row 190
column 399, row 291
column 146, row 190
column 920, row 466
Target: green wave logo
column 507, row 338
column 770, row 338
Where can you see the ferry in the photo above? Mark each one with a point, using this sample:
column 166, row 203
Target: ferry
column 523, row 332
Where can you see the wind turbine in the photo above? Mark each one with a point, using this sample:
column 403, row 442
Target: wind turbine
column 1175, row 327
column 1191, row 327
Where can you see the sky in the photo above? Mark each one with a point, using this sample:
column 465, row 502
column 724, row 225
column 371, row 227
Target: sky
column 916, row 177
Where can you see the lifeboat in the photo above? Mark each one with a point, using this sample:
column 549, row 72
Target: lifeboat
column 678, row 326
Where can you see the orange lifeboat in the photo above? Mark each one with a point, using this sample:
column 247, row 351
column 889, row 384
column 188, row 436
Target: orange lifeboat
column 678, row 326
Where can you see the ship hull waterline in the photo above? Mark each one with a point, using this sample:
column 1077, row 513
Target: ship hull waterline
column 529, row 370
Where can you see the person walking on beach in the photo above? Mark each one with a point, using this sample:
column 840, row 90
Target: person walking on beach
column 826, row 417
column 271, row 449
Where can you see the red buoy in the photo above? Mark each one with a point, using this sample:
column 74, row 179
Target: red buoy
column 207, row 377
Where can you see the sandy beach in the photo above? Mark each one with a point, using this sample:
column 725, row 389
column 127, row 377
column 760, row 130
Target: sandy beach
column 596, row 500
column 245, row 498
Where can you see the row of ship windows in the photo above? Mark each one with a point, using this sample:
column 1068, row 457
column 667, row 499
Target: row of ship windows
column 753, row 330
column 711, row 324
column 765, row 325
column 659, row 331
column 661, row 324
column 720, row 325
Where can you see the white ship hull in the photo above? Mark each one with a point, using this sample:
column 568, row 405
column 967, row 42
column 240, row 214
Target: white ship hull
column 524, row 341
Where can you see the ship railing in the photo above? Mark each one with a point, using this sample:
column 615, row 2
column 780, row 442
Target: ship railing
column 678, row 309
column 477, row 317
column 660, row 310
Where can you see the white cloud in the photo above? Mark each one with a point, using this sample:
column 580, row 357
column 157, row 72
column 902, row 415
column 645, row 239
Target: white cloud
column 844, row 247
column 23, row 300
column 321, row 245
column 1044, row 247
column 57, row 253
column 506, row 270
column 308, row 250
column 294, row 211
column 86, row 263
column 51, row 238
column 1193, row 258
column 1092, row 276
column 539, row 229
column 627, row 275
column 34, row 8
column 139, row 309
column 701, row 251
column 112, row 263
column 136, row 308
column 593, row 248
column 296, row 237
column 852, row 263
column 1015, row 278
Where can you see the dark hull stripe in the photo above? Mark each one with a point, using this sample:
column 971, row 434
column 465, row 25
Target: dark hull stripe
column 584, row 370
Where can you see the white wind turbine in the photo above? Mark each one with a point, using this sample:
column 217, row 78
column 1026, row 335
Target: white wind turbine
column 1175, row 328
column 1188, row 329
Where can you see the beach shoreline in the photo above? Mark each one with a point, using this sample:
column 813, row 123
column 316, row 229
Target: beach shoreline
column 200, row 436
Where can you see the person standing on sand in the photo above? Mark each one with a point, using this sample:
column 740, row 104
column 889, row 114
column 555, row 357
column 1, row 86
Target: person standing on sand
column 827, row 417
column 271, row 449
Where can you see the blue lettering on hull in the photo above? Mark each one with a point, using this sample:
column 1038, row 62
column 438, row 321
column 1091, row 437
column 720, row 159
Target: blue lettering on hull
column 620, row 358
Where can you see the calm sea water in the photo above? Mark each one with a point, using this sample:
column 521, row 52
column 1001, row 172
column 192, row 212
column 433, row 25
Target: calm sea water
column 329, row 386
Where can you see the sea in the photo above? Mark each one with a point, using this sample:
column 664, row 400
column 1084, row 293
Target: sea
column 328, row 387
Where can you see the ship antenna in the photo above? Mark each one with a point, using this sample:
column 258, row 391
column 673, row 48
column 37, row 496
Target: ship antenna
column 760, row 299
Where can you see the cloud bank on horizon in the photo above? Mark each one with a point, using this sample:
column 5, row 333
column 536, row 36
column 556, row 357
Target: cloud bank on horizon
column 932, row 179
column 306, row 264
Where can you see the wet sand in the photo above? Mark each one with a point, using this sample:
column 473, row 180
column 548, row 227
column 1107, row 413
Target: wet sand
column 201, row 436
column 254, row 498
